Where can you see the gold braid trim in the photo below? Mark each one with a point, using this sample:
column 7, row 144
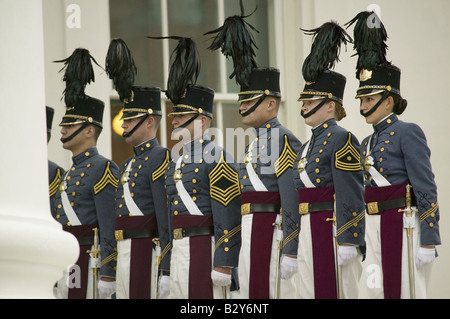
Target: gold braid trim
column 228, row 235
column 53, row 186
column 107, row 178
column 286, row 159
column 427, row 214
column 161, row 169
column 291, row 236
column 350, row 223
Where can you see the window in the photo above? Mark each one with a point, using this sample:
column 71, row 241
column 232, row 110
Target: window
column 134, row 20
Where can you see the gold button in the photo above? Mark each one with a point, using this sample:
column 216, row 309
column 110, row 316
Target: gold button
column 186, row 156
column 355, row 224
column 431, row 224
column 194, row 181
column 389, row 121
column 432, row 214
column 87, row 153
column 175, row 212
column 202, row 140
column 325, row 125
column 59, row 206
column 69, row 224
column 354, row 214
column 317, row 170
column 381, row 149
column 225, row 231
column 175, row 202
column 355, row 235
column 318, row 180
column 387, row 142
column 196, row 170
column 226, row 240
column 58, row 216
column 317, row 160
column 148, row 144
column 267, row 125
column 72, row 169
column 194, row 198
column 77, row 183
column 226, row 249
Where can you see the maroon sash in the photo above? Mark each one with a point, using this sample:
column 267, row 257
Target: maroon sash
column 324, row 264
column 85, row 236
column 391, row 229
column 200, row 263
column 261, row 243
column 140, row 255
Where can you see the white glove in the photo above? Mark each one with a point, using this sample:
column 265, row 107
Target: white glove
column 164, row 286
column 220, row 279
column 288, row 267
column 106, row 289
column 346, row 254
column 425, row 256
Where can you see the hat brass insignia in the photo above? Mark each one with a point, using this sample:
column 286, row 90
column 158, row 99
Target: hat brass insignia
column 365, row 75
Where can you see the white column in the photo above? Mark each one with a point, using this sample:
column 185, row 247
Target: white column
column 34, row 250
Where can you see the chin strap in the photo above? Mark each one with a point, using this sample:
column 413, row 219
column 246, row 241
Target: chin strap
column 375, row 107
column 136, row 127
column 82, row 127
column 314, row 110
column 253, row 108
column 185, row 124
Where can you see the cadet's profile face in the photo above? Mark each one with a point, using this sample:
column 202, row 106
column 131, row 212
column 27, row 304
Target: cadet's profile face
column 67, row 131
column 128, row 125
column 177, row 121
column 257, row 117
column 368, row 102
column 321, row 115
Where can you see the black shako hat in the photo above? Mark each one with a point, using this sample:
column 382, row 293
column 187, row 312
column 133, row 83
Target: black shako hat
column 378, row 80
column 86, row 109
column 196, row 99
column 375, row 73
column 320, row 81
column 263, row 81
column 144, row 100
column 329, row 84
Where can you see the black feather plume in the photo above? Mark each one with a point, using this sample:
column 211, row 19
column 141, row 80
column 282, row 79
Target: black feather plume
column 120, row 68
column 235, row 40
column 78, row 73
column 184, row 69
column 327, row 41
column 369, row 41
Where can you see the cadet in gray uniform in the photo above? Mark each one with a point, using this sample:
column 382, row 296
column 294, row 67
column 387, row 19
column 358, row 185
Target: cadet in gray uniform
column 329, row 180
column 269, row 201
column 141, row 206
column 202, row 188
column 400, row 193
column 142, row 228
column 204, row 198
column 54, row 170
column 85, row 199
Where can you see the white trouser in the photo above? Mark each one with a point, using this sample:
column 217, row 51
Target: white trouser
column 179, row 270
column 372, row 284
column 351, row 272
column 287, row 287
column 123, row 270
